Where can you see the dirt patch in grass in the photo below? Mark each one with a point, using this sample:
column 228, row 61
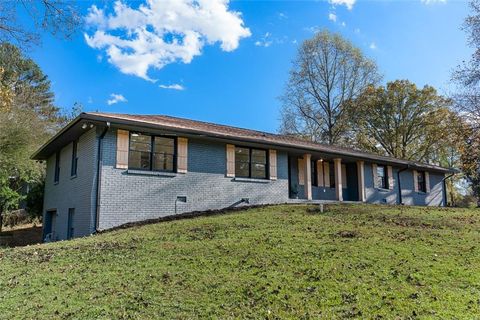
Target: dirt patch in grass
column 422, row 222
column 21, row 237
column 204, row 232
column 349, row 234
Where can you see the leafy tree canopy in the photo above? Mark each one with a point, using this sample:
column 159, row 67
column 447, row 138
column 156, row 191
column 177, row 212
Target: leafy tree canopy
column 28, row 118
column 403, row 121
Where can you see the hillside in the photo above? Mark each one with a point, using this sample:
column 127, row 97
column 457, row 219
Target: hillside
column 358, row 261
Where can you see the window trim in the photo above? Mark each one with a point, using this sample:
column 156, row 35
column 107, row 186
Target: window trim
column 152, row 151
column 74, row 164
column 56, row 174
column 267, row 163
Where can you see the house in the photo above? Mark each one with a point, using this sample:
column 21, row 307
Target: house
column 105, row 170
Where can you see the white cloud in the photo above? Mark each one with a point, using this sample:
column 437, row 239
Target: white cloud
column 266, row 41
column 344, row 24
column 116, row 98
column 332, row 17
column 433, row 1
column 175, row 86
column 348, row 3
column 160, row 32
column 282, row 15
column 313, row 29
column 373, row 46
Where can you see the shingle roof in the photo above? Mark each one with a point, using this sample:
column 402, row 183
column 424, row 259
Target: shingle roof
column 229, row 132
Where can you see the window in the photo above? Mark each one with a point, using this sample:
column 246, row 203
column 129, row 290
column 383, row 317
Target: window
column 382, row 181
column 73, row 170
column 313, row 170
column 250, row 163
column 57, row 168
column 151, row 153
column 70, row 228
column 332, row 174
column 163, row 153
column 421, row 181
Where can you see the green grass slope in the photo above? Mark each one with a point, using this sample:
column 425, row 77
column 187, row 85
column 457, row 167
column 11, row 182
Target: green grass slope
column 356, row 261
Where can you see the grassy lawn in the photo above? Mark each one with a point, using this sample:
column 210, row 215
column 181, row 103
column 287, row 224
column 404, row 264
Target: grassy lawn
column 356, row 261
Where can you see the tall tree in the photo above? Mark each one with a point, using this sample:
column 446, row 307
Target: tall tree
column 470, row 156
column 405, row 122
column 26, row 121
column 58, row 17
column 467, row 100
column 328, row 72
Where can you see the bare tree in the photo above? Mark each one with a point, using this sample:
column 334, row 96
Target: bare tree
column 467, row 75
column 467, row 100
column 58, row 17
column 327, row 73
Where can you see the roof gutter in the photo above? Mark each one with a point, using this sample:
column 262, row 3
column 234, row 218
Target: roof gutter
column 252, row 140
column 444, row 182
column 99, row 175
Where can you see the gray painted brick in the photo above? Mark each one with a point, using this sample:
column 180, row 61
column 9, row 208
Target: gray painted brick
column 129, row 197
column 72, row 192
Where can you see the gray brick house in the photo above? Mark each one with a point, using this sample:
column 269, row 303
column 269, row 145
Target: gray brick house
column 105, row 170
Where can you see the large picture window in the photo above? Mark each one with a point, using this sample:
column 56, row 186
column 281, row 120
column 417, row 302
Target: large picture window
column 153, row 153
column 250, row 163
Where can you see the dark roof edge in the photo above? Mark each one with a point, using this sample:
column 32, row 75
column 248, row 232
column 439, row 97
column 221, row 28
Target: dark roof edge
column 351, row 153
column 58, row 134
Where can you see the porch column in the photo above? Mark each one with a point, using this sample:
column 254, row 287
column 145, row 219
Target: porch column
column 338, row 178
column 361, row 180
column 308, row 175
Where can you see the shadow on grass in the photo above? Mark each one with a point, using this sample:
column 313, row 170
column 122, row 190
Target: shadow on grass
column 21, row 237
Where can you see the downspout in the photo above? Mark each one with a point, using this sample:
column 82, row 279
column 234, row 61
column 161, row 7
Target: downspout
column 400, row 198
column 445, row 189
column 99, row 174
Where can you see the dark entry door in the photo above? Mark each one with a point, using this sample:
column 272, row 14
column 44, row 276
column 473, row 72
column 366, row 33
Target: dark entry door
column 49, row 223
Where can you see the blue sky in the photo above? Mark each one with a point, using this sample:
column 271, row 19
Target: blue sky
column 237, row 70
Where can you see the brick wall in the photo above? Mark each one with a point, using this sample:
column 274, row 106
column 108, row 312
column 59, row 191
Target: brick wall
column 409, row 196
column 135, row 196
column 128, row 197
column 73, row 192
column 377, row 195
